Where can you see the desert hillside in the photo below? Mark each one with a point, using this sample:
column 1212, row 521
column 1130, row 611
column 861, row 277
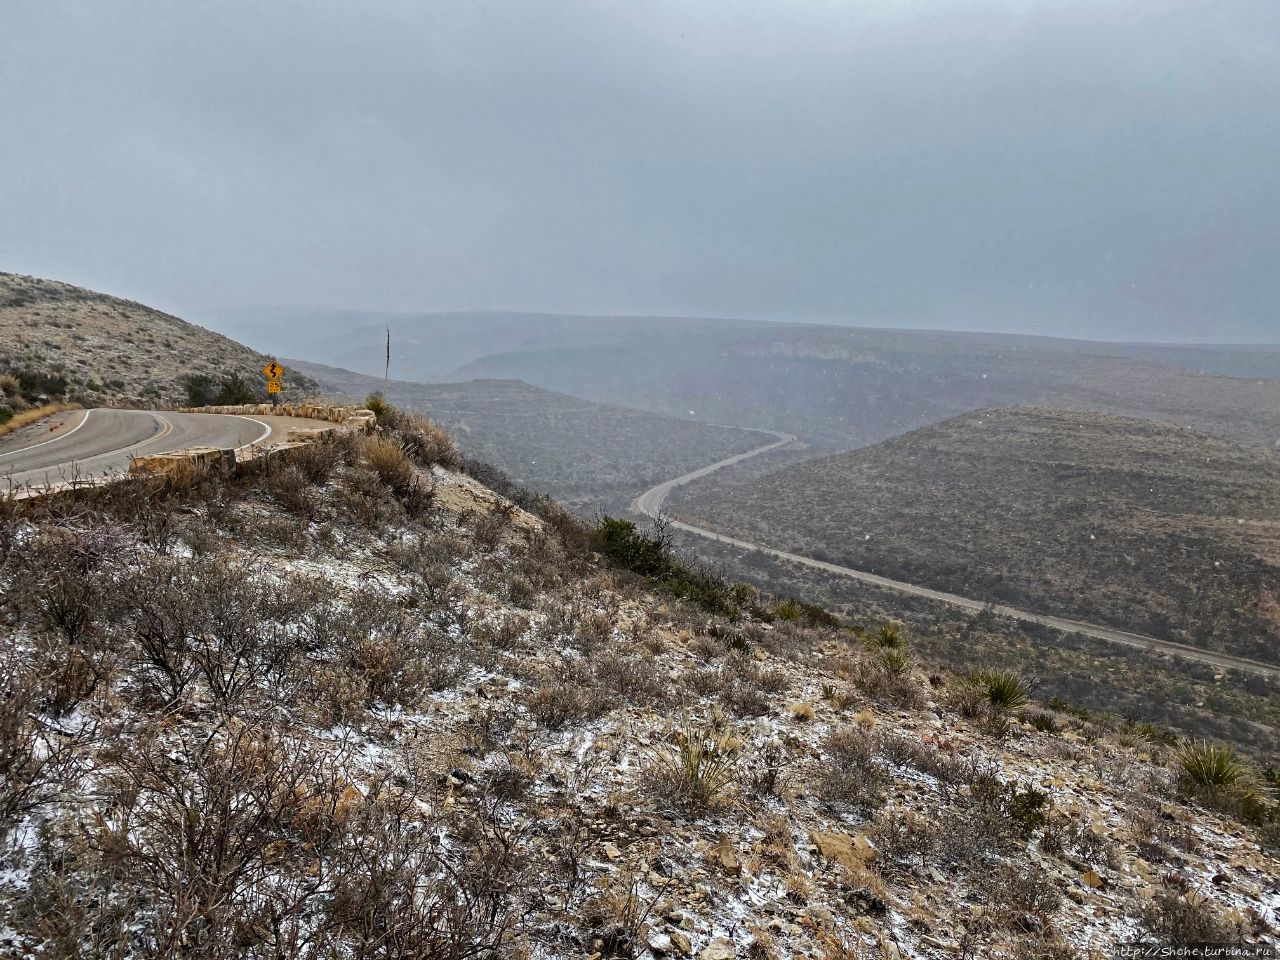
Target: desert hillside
column 362, row 705
column 589, row 456
column 116, row 352
column 836, row 386
column 1139, row 525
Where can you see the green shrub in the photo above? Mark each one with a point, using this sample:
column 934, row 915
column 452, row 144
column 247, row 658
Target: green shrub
column 797, row 611
column 1044, row 722
column 382, row 410
column 1204, row 765
column 890, row 636
column 651, row 556
column 1005, row 689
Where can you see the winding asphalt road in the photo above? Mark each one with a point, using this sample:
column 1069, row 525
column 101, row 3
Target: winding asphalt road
column 92, row 444
column 651, row 501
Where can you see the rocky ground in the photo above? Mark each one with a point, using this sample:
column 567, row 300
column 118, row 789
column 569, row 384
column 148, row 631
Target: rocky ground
column 116, row 352
column 363, row 707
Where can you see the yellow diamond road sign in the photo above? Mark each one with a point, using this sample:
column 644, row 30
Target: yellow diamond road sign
column 273, row 370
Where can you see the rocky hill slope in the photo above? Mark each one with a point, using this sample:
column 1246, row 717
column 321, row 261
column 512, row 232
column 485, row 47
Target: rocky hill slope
column 589, row 456
column 1139, row 525
column 363, row 705
column 115, row 352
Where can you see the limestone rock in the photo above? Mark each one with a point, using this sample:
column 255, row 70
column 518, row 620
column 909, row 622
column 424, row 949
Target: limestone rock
column 852, row 852
column 725, row 858
column 681, row 942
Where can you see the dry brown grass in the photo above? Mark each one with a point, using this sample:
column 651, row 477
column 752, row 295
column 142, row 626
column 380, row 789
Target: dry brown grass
column 27, row 417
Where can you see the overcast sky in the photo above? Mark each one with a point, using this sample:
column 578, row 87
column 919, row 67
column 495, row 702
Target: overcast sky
column 1089, row 168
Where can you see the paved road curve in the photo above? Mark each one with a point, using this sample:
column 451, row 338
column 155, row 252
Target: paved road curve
column 90, row 444
column 650, row 503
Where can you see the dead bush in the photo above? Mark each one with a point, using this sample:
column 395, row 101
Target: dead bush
column 1181, row 916
column 400, row 891
column 908, row 751
column 35, row 757
column 630, row 678
column 200, row 837
column 566, row 697
column 424, row 442
column 852, row 774
column 290, row 488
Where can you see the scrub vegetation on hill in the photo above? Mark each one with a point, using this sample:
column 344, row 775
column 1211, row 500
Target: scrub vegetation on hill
column 106, row 351
column 1143, row 526
column 359, row 704
column 590, row 456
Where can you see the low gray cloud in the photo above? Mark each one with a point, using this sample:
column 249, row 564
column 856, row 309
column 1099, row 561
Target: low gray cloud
column 1096, row 168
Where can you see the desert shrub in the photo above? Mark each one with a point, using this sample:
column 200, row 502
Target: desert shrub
column 1180, row 916
column 888, row 677
column 1044, row 722
column 570, row 531
column 397, row 658
column 381, row 409
column 628, row 677
column 889, row 635
column 317, row 461
column 1217, row 775
column 400, row 892
column 1202, row 765
column 695, row 771
column 290, row 488
column 747, row 688
column 203, row 390
column 61, row 579
column 905, row 837
column 198, row 836
column 367, row 500
column 424, row 442
column 1005, row 690
column 34, row 384
column 651, row 556
column 387, row 459
column 1021, row 896
column 852, row 773
column 567, row 696
column 34, row 757
column 797, row 611
column 911, row 752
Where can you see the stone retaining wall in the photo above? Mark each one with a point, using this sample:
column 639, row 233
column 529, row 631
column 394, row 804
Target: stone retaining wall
column 226, row 461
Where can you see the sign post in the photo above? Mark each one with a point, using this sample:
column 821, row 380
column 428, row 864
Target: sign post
column 273, row 372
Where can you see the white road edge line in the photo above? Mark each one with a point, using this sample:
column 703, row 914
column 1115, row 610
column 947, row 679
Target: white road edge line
column 12, row 453
column 266, row 432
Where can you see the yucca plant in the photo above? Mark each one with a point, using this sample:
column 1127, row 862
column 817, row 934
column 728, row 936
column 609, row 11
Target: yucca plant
column 896, row 661
column 700, row 766
column 1221, row 777
column 890, row 636
column 1209, row 765
column 1005, row 689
